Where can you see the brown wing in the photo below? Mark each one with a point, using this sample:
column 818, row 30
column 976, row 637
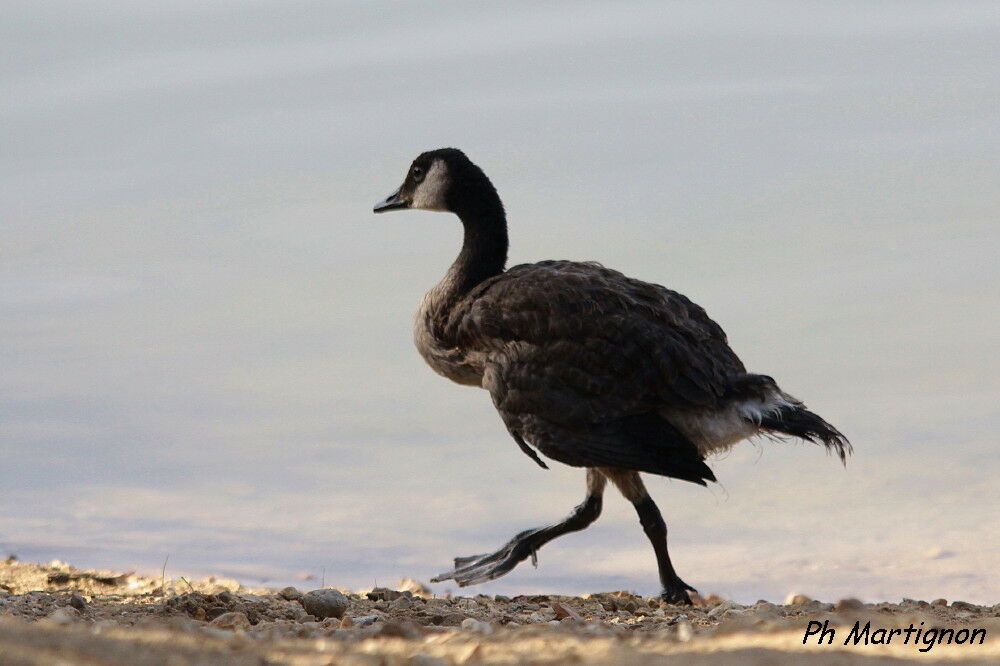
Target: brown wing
column 581, row 359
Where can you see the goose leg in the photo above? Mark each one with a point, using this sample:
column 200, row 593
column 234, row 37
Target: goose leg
column 481, row 568
column 675, row 591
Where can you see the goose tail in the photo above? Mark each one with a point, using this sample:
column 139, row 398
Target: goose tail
column 778, row 413
column 794, row 419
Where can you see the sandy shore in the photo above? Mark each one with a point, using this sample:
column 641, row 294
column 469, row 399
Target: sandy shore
column 54, row 613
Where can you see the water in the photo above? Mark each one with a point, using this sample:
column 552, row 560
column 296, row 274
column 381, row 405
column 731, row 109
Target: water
column 205, row 334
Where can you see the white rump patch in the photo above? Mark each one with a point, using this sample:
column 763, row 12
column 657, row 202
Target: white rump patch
column 756, row 410
column 430, row 193
column 717, row 431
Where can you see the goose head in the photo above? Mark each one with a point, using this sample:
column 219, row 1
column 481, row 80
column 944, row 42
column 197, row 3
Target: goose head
column 443, row 180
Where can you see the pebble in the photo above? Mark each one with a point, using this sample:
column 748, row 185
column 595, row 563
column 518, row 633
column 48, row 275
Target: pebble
column 235, row 621
column 763, row 610
column 538, row 617
column 565, row 611
column 850, row 604
column 939, row 602
column 796, row 598
column 474, row 625
column 467, row 604
column 453, row 619
column 401, row 603
column 385, row 594
column 290, row 594
column 325, row 603
column 724, row 608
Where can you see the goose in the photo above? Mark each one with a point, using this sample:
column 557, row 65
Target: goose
column 587, row 367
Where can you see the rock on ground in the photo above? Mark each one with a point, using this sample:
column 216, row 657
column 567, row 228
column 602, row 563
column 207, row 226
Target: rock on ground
column 325, row 603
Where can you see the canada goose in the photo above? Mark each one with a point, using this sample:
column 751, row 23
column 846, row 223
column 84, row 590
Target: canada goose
column 587, row 366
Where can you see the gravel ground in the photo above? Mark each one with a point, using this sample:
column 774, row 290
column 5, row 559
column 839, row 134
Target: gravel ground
column 54, row 613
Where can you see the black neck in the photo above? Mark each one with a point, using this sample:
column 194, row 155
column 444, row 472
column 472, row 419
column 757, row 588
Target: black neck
column 484, row 249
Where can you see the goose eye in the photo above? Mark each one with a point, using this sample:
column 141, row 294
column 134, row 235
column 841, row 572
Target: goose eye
column 417, row 173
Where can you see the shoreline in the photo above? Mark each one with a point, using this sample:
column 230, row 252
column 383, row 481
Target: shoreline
column 57, row 612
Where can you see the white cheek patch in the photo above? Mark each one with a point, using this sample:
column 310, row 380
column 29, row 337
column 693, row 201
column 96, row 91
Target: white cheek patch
column 430, row 194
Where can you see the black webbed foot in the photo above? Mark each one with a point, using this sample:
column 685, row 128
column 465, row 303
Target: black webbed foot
column 676, row 592
column 481, row 568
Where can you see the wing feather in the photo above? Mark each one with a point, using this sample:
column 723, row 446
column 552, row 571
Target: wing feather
column 582, row 359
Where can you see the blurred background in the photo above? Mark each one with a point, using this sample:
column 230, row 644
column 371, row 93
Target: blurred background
column 205, row 335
